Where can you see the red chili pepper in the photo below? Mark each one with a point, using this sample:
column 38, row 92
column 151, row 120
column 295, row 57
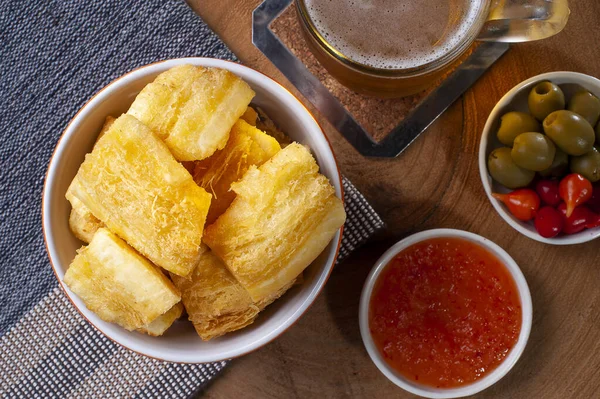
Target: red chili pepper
column 594, row 202
column 579, row 219
column 548, row 192
column 549, row 222
column 594, row 222
column 522, row 203
column 574, row 189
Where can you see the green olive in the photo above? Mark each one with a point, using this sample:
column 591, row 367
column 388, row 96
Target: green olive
column 586, row 105
column 559, row 165
column 506, row 172
column 533, row 151
column 570, row 132
column 587, row 165
column 545, row 98
column 598, row 133
column 514, row 123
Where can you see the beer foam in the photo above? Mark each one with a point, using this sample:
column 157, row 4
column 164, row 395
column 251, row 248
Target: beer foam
column 394, row 34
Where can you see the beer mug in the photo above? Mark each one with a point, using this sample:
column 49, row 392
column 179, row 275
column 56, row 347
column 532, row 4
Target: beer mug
column 394, row 48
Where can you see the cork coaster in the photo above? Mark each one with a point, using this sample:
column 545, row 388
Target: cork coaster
column 377, row 116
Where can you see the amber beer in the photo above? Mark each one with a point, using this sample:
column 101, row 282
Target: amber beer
column 391, row 48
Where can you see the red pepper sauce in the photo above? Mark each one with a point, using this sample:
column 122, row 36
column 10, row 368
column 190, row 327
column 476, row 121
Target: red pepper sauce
column 445, row 312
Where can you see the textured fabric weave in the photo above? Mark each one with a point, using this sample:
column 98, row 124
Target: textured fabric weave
column 52, row 350
column 54, row 56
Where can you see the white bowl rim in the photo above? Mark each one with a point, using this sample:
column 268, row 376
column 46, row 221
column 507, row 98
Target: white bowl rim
column 70, row 130
column 479, row 385
column 573, row 77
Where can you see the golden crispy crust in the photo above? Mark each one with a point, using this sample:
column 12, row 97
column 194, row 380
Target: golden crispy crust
column 250, row 116
column 108, row 121
column 215, row 302
column 192, row 109
column 247, row 146
column 284, row 215
column 82, row 222
column 118, row 284
column 132, row 183
column 163, row 322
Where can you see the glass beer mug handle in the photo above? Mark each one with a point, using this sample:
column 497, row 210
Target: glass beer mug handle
column 515, row 21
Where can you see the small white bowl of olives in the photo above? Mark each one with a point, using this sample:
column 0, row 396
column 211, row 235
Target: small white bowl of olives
column 544, row 128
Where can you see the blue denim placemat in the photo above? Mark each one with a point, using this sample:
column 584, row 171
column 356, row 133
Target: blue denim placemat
column 54, row 55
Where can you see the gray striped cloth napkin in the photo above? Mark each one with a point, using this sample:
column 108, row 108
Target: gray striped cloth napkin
column 54, row 55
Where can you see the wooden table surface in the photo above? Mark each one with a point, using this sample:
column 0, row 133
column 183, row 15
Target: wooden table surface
column 322, row 355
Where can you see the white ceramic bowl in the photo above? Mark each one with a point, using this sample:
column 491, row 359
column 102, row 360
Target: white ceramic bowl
column 477, row 386
column 181, row 343
column 516, row 100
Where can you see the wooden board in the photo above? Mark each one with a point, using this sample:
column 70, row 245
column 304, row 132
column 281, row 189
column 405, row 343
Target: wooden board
column 322, row 355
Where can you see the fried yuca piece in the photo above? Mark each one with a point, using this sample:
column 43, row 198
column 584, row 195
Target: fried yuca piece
column 250, row 116
column 163, row 322
column 107, row 124
column 215, row 301
column 118, row 284
column 81, row 221
column 284, row 215
column 246, row 146
column 132, row 183
column 193, row 109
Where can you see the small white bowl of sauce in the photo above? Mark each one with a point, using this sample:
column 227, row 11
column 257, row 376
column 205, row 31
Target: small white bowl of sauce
column 445, row 313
